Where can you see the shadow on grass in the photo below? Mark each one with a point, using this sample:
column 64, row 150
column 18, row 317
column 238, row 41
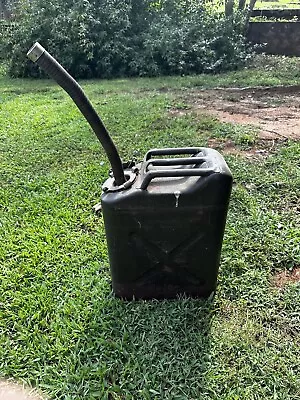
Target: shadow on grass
column 154, row 349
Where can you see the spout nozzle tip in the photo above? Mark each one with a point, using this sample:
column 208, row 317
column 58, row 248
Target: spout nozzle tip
column 35, row 52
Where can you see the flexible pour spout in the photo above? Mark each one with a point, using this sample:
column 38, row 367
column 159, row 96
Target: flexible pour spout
column 39, row 55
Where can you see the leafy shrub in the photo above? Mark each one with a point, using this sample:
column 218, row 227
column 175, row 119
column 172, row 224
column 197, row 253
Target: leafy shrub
column 110, row 38
column 205, row 41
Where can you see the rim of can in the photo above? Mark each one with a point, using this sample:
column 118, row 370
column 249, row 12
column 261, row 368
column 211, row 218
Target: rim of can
column 110, row 186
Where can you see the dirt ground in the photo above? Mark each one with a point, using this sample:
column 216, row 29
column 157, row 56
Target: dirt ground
column 281, row 279
column 275, row 111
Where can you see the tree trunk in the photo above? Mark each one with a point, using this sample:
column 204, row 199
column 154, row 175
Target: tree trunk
column 4, row 9
column 250, row 9
column 229, row 4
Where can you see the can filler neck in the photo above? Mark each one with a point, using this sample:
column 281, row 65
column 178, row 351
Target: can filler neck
column 46, row 62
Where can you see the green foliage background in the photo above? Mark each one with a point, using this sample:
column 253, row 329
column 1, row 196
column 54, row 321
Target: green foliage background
column 111, row 38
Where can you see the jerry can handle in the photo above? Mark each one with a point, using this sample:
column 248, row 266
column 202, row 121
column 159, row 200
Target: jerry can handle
column 175, row 173
column 173, row 151
column 174, row 161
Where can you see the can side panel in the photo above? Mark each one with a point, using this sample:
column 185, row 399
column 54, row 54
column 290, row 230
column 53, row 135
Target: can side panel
column 169, row 254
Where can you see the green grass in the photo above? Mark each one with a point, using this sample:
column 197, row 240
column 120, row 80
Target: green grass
column 62, row 330
column 279, row 4
column 264, row 4
column 261, row 70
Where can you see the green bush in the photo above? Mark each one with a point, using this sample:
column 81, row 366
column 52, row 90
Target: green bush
column 204, row 41
column 110, row 38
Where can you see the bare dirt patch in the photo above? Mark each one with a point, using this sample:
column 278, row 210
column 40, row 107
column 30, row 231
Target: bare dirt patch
column 281, row 279
column 275, row 111
column 258, row 151
column 13, row 391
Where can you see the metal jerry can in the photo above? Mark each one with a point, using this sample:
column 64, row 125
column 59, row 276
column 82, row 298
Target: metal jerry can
column 165, row 226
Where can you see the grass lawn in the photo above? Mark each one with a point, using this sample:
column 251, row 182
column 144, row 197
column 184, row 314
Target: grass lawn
column 266, row 4
column 279, row 4
column 62, row 330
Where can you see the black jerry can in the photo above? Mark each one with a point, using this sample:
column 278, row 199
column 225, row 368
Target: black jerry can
column 165, row 226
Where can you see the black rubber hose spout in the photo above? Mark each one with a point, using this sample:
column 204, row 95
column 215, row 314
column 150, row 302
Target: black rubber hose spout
column 40, row 56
